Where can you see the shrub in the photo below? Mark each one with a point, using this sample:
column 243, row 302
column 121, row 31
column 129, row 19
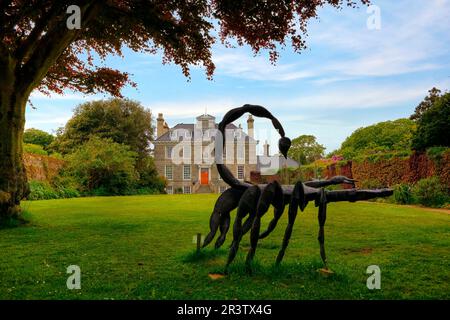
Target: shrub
column 41, row 190
column 148, row 177
column 38, row 137
column 34, row 148
column 178, row 191
column 403, row 194
column 430, row 192
column 102, row 167
column 436, row 153
column 146, row 190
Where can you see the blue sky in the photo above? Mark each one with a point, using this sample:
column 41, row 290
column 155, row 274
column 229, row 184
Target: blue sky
column 349, row 76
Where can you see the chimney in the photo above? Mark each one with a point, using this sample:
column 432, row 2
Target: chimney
column 161, row 125
column 266, row 149
column 250, row 127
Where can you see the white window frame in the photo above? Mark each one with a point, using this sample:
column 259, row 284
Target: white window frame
column 169, row 189
column 188, row 188
column 169, row 156
column 243, row 172
column 171, row 172
column 185, row 177
column 186, row 152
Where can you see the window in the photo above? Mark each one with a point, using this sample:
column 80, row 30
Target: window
column 186, row 151
column 240, row 150
column 169, row 190
column 169, row 172
column 187, row 189
column 187, row 172
column 206, row 153
column 240, row 172
column 169, row 152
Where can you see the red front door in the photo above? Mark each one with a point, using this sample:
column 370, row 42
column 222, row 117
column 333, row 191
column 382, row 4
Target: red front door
column 204, row 176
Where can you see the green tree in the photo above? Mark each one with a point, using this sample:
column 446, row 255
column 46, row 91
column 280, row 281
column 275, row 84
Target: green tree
column 102, row 164
column 388, row 136
column 41, row 48
column 433, row 127
column 39, row 137
column 305, row 149
column 123, row 121
column 426, row 104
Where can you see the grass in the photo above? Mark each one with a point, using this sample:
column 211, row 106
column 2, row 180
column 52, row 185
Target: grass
column 140, row 247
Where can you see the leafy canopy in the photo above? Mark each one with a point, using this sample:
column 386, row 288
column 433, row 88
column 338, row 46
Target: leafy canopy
column 38, row 137
column 433, row 127
column 121, row 120
column 305, row 149
column 426, row 104
column 382, row 137
column 45, row 54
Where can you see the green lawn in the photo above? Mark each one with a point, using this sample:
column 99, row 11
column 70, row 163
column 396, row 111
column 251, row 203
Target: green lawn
column 141, row 247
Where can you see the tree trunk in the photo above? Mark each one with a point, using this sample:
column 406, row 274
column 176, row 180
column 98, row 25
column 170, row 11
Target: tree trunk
column 13, row 181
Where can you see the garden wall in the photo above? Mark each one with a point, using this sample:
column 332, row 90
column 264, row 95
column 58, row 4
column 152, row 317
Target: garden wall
column 388, row 172
column 40, row 167
column 381, row 172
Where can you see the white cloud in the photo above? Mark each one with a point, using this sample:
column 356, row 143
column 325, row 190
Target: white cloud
column 409, row 41
column 57, row 121
column 245, row 66
column 175, row 109
column 362, row 96
column 414, row 38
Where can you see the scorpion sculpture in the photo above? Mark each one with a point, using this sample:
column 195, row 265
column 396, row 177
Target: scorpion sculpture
column 255, row 200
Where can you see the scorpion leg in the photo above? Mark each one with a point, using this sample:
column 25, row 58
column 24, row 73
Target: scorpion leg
column 223, row 227
column 226, row 202
column 249, row 222
column 273, row 223
column 214, row 222
column 247, row 204
column 322, row 216
column 272, row 194
column 297, row 193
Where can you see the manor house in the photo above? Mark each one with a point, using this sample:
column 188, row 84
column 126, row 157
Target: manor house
column 185, row 155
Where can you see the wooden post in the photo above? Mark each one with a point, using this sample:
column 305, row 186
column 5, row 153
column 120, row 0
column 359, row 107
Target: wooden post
column 199, row 241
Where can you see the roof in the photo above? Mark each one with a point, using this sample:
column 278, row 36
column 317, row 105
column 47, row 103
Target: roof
column 190, row 127
column 206, row 117
column 269, row 165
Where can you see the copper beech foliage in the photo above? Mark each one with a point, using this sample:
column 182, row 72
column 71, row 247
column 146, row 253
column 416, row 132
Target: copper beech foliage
column 51, row 58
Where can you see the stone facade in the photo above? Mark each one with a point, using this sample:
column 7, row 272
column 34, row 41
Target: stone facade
column 184, row 155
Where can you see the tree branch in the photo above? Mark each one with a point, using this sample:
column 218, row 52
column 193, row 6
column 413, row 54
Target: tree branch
column 47, row 21
column 50, row 47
